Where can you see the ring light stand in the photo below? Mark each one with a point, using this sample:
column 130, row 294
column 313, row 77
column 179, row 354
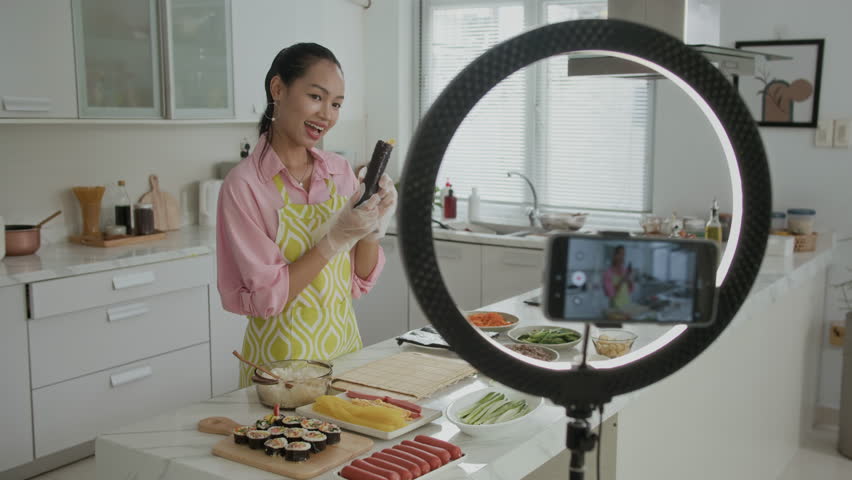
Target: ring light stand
column 580, row 390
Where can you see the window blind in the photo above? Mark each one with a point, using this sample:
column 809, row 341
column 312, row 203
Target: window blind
column 583, row 141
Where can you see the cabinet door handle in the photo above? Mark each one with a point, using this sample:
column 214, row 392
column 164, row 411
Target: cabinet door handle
column 522, row 260
column 449, row 253
column 127, row 311
column 130, row 376
column 26, row 104
column 133, row 280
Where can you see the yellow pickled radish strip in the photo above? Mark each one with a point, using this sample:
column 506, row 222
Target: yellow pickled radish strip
column 380, row 418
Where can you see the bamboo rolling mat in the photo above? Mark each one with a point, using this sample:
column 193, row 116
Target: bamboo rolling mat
column 413, row 374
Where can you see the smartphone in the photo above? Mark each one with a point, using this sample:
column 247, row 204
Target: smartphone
column 375, row 169
column 605, row 280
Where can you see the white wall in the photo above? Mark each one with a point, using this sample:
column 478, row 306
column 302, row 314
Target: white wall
column 687, row 159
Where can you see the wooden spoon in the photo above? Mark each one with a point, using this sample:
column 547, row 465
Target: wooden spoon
column 48, row 219
column 248, row 362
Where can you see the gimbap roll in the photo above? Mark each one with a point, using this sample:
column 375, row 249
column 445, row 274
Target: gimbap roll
column 262, row 424
column 331, row 431
column 311, row 423
column 276, row 432
column 294, row 434
column 297, row 451
column 274, row 446
column 240, row 434
column 316, row 439
column 292, row 421
column 274, row 420
column 256, row 438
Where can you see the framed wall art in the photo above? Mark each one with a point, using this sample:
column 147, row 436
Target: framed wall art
column 784, row 93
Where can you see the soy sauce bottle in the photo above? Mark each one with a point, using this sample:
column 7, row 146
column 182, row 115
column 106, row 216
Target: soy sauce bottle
column 123, row 214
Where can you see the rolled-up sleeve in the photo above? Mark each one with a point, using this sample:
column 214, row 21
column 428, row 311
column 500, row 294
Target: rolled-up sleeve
column 253, row 277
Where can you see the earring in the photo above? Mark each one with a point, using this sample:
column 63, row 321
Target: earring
column 272, row 118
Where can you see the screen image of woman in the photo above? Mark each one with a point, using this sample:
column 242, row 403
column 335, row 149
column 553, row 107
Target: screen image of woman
column 292, row 248
column 618, row 282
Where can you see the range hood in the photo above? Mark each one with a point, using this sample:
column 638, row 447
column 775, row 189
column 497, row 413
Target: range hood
column 695, row 22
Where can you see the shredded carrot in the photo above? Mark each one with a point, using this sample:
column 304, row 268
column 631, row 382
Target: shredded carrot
column 487, row 319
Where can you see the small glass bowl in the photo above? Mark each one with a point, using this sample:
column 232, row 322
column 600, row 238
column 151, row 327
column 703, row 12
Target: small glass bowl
column 613, row 342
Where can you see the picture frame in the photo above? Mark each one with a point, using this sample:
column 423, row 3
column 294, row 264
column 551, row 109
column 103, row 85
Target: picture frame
column 784, row 93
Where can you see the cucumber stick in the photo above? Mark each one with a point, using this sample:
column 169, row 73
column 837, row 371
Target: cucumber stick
column 493, row 408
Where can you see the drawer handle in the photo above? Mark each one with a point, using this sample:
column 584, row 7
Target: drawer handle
column 133, row 280
column 127, row 311
column 522, row 260
column 26, row 104
column 130, row 376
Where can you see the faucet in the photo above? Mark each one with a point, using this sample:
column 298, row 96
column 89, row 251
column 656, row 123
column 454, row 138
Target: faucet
column 533, row 212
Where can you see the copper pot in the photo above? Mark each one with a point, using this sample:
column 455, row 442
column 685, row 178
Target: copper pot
column 25, row 239
column 22, row 239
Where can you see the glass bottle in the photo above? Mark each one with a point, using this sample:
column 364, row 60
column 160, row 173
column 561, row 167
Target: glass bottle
column 122, row 208
column 713, row 229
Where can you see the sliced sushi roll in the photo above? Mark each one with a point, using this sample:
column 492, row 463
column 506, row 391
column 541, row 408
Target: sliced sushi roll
column 316, row 439
column 274, row 446
column 240, row 434
column 294, row 434
column 311, row 423
column 331, row 431
column 262, row 424
column 297, row 451
column 276, row 432
column 274, row 420
column 256, row 438
column 292, row 421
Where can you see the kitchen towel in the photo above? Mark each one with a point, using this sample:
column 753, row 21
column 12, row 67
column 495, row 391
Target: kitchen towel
column 410, row 373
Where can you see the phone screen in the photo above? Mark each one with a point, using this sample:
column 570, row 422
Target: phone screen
column 612, row 280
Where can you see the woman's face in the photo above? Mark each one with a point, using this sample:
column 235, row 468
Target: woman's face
column 310, row 105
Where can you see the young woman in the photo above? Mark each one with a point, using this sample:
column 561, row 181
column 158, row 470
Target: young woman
column 292, row 249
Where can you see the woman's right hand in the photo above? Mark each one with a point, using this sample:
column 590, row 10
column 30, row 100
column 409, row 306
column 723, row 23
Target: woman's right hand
column 349, row 225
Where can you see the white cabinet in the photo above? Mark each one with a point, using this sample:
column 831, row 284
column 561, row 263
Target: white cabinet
column 16, row 446
column 507, row 272
column 461, row 268
column 37, row 76
column 226, row 335
column 383, row 312
column 198, row 53
column 117, row 46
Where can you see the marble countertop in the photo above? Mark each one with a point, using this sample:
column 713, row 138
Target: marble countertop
column 169, row 447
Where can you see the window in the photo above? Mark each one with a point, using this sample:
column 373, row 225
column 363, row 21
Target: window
column 594, row 155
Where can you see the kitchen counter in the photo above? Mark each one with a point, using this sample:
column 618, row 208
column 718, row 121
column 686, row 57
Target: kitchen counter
column 170, row 447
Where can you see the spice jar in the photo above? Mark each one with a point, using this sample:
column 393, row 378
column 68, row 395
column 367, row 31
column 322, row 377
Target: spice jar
column 143, row 215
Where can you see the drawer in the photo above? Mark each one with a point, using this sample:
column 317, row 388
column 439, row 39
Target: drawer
column 81, row 292
column 74, row 344
column 76, row 411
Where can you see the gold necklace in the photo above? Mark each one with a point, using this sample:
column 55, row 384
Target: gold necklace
column 304, row 174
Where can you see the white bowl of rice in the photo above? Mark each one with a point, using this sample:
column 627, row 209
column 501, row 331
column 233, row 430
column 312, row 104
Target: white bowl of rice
column 301, row 382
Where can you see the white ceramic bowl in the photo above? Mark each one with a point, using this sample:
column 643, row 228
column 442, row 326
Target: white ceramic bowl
column 513, row 321
column 462, row 403
column 516, row 333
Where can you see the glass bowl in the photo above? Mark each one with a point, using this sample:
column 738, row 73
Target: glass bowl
column 302, row 382
column 562, row 221
column 613, row 342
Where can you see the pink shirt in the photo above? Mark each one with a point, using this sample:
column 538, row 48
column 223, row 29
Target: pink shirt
column 253, row 276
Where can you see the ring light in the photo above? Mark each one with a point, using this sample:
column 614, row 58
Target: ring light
column 749, row 172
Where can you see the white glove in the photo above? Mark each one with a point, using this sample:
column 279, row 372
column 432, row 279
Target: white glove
column 349, row 225
column 387, row 204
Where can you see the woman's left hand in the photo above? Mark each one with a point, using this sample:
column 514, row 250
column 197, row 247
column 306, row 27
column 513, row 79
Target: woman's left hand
column 387, row 206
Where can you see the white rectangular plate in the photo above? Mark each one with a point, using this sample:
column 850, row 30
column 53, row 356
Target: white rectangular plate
column 427, row 415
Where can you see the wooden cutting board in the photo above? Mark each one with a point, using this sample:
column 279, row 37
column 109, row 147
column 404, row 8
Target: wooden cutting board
column 350, row 446
column 166, row 206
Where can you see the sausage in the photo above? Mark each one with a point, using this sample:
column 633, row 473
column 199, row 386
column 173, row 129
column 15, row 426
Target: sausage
column 354, row 473
column 382, row 472
column 412, row 467
column 351, row 394
column 439, row 452
column 455, row 451
column 433, row 460
column 403, row 472
column 423, row 464
column 411, row 407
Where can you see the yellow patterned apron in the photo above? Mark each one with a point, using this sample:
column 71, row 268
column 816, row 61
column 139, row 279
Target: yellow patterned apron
column 622, row 295
column 319, row 324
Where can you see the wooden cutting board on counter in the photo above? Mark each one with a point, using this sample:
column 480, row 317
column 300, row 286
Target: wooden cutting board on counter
column 166, row 206
column 350, row 446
